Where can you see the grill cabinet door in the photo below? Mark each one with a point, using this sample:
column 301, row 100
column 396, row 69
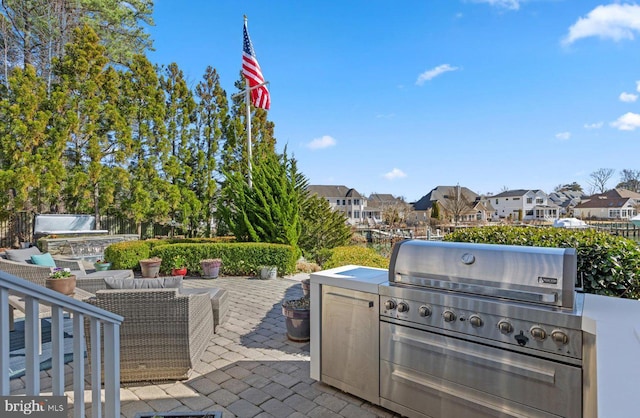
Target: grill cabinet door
column 350, row 338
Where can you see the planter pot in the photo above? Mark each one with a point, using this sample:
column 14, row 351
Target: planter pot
column 66, row 285
column 179, row 272
column 102, row 266
column 306, row 287
column 150, row 268
column 210, row 269
column 268, row 273
column 298, row 323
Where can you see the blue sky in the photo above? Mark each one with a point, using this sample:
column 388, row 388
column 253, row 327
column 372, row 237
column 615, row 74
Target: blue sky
column 402, row 96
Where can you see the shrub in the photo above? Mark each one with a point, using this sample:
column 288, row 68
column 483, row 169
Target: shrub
column 608, row 265
column 237, row 258
column 125, row 255
column 361, row 256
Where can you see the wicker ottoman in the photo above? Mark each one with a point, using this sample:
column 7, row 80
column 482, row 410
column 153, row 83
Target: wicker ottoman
column 219, row 303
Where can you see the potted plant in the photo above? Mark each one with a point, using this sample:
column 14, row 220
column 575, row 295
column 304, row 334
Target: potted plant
column 297, row 319
column 210, row 268
column 150, row 267
column 61, row 280
column 178, row 264
column 268, row 272
column 102, row 265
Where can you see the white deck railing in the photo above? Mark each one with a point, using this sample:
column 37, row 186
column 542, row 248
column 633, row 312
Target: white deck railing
column 35, row 295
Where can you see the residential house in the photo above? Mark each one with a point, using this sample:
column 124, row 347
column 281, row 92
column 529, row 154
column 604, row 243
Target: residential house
column 348, row 201
column 379, row 203
column 523, row 205
column 613, row 204
column 567, row 200
column 452, row 201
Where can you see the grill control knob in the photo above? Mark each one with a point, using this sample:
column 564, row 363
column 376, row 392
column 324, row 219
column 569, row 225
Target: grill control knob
column 505, row 327
column 390, row 304
column 425, row 311
column 560, row 337
column 449, row 316
column 475, row 321
column 538, row 333
column 403, row 307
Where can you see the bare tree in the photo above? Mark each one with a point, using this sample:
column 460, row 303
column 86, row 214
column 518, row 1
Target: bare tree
column 455, row 204
column 599, row 179
column 630, row 180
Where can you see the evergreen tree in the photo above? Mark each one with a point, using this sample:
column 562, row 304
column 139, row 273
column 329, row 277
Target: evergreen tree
column 270, row 210
column 435, row 210
column 212, row 114
column 322, row 227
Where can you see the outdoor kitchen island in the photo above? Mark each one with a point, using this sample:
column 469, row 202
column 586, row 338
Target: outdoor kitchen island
column 551, row 365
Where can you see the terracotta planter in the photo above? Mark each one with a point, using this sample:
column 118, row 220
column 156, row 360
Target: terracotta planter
column 179, row 272
column 65, row 285
column 150, row 267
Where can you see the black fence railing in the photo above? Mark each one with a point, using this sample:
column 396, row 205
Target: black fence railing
column 18, row 228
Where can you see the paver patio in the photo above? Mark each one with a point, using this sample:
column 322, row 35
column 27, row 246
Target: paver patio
column 250, row 368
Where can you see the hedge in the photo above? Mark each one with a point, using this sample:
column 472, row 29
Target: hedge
column 361, row 256
column 608, row 265
column 238, row 259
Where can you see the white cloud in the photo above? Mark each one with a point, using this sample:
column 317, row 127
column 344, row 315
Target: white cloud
column 507, row 4
column 434, row 72
column 638, row 85
column 628, row 97
column 563, row 136
column 323, row 142
column 613, row 21
column 596, row 125
column 396, row 173
column 627, row 122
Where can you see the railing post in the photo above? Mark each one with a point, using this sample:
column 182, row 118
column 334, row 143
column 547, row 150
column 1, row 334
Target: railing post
column 111, row 369
column 78, row 365
column 31, row 344
column 4, row 336
column 96, row 381
column 57, row 352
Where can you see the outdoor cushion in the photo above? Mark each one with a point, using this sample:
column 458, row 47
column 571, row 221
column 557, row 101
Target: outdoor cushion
column 43, row 260
column 173, row 282
column 23, row 255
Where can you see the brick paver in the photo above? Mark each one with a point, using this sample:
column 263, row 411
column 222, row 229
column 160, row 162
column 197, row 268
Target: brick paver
column 250, row 368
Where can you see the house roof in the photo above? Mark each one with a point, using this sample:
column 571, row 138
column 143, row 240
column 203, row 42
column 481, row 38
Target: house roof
column 602, row 201
column 380, row 200
column 441, row 193
column 333, row 191
column 515, row 193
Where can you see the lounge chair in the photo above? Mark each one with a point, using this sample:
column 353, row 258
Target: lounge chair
column 163, row 334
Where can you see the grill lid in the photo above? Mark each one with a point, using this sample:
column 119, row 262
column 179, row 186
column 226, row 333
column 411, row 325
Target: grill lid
column 539, row 275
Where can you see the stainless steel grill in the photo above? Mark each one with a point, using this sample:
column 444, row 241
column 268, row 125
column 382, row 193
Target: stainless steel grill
column 481, row 330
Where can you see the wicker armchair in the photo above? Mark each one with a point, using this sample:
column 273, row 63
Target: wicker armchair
column 163, row 334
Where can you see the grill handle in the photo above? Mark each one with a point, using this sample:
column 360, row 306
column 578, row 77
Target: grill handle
column 520, row 295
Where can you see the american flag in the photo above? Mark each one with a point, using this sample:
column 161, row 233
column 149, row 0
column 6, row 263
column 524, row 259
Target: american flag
column 251, row 70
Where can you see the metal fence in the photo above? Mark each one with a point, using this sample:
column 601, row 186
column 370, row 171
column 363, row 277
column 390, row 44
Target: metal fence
column 19, row 228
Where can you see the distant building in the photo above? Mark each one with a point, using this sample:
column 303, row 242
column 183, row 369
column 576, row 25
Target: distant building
column 613, row 204
column 469, row 206
column 523, row 205
column 348, row 201
column 566, row 200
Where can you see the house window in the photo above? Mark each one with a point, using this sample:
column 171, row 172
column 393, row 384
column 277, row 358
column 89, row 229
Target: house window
column 529, row 200
column 357, row 201
column 349, row 202
column 338, row 202
column 343, row 202
column 529, row 213
column 496, row 201
column 539, row 200
column 516, row 198
column 349, row 213
column 356, row 214
column 614, row 213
